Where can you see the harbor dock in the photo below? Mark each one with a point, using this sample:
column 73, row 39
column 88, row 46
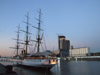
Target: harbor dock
column 6, row 70
column 87, row 58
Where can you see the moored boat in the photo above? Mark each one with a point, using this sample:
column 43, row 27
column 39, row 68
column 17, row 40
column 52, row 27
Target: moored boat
column 40, row 60
column 44, row 59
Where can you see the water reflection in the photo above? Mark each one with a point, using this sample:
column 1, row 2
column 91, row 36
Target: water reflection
column 32, row 71
column 64, row 68
column 80, row 68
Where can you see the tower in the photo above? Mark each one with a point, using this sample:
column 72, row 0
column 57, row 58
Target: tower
column 60, row 37
column 64, row 45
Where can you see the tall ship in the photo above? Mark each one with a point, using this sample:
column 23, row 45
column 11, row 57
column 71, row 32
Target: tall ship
column 45, row 59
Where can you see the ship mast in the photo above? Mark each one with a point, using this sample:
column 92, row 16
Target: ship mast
column 18, row 40
column 38, row 39
column 27, row 32
column 17, row 47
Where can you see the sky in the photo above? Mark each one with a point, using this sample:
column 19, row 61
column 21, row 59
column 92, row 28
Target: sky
column 78, row 20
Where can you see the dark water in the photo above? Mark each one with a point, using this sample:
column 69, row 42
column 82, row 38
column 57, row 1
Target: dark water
column 64, row 68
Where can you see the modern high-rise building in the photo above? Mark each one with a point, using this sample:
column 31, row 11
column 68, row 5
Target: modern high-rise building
column 60, row 37
column 64, row 45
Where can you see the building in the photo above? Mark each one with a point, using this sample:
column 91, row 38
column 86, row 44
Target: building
column 63, row 45
column 59, row 37
column 83, row 51
column 56, row 52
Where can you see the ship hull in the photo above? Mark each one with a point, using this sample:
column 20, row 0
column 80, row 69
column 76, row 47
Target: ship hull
column 36, row 63
column 36, row 67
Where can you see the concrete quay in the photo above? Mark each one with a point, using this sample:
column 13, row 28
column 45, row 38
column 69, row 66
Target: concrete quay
column 87, row 58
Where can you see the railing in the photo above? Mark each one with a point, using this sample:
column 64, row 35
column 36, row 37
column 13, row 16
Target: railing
column 40, row 58
column 8, row 59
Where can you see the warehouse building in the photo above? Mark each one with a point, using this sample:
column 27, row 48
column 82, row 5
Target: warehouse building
column 83, row 51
